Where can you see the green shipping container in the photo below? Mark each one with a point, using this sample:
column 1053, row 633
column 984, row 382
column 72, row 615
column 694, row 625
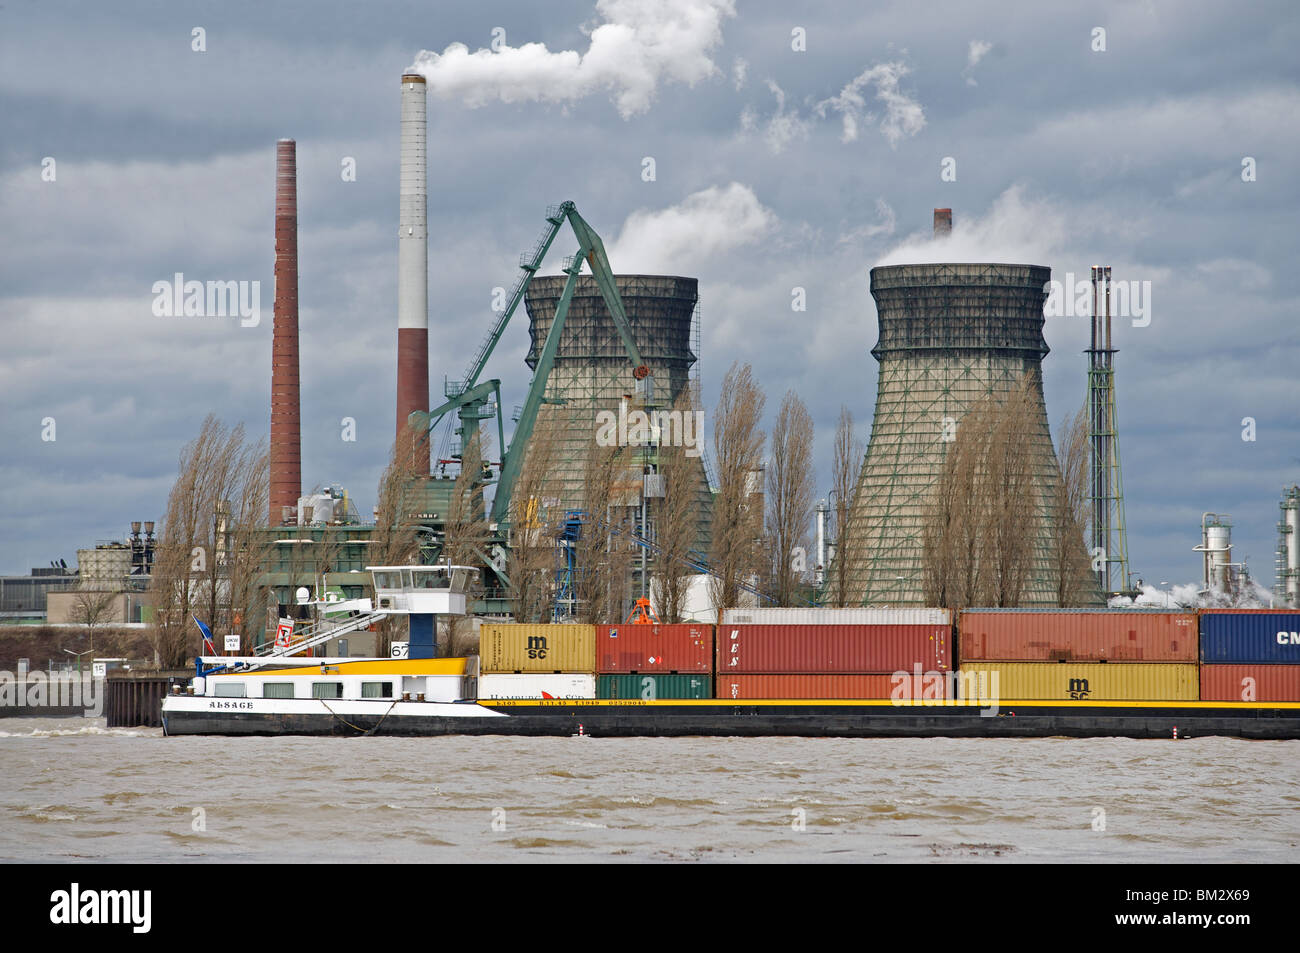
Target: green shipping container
column 652, row 687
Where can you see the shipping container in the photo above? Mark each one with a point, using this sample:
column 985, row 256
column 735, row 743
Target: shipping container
column 537, row 648
column 626, row 649
column 649, row 688
column 898, row 687
column 537, row 686
column 1079, row 681
column 1050, row 635
column 810, row 615
column 832, row 649
column 1250, row 635
column 1250, row 683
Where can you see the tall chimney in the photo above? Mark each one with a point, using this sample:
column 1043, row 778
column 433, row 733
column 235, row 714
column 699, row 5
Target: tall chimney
column 413, row 263
column 942, row 222
column 286, row 439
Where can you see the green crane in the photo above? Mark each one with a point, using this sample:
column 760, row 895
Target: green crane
column 467, row 397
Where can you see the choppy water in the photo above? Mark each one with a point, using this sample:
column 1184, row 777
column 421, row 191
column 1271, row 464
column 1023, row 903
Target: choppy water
column 72, row 790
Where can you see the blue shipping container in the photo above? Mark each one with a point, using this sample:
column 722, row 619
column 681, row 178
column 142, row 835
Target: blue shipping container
column 1243, row 636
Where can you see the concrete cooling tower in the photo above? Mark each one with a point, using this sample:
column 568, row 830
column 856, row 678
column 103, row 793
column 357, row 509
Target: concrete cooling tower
column 950, row 334
column 592, row 371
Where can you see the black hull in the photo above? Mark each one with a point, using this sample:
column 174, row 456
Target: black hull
column 665, row 720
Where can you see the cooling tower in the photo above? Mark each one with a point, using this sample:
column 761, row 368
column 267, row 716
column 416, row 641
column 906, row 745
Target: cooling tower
column 950, row 334
column 592, row 371
column 286, row 438
column 413, row 261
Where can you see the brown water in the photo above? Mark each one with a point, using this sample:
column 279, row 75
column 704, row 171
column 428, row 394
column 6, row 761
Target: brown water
column 71, row 790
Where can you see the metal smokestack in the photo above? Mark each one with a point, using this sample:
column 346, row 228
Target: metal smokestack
column 286, row 439
column 942, row 222
column 413, row 262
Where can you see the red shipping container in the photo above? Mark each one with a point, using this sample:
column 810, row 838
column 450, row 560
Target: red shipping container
column 1250, row 683
column 635, row 649
column 1053, row 635
column 832, row 649
column 751, row 687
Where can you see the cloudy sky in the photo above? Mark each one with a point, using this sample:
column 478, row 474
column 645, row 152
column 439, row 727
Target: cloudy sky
column 789, row 151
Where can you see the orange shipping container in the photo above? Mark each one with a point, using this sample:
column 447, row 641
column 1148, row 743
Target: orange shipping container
column 1250, row 683
column 1053, row 635
column 832, row 686
column 631, row 648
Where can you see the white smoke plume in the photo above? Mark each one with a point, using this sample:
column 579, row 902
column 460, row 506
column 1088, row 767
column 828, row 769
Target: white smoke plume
column 903, row 116
column 1190, row 595
column 671, row 240
column 1016, row 230
column 978, row 48
column 640, row 44
column 781, row 128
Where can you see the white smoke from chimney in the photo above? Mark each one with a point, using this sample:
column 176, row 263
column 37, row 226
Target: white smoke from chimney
column 671, row 240
column 640, row 44
column 1015, row 230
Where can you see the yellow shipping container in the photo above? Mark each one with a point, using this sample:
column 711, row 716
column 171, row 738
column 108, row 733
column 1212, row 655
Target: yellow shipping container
column 1082, row 681
column 537, row 648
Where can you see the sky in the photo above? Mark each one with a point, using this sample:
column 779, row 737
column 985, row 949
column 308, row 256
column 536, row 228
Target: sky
column 789, row 150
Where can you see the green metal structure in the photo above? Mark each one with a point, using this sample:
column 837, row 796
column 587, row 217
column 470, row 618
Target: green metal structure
column 468, row 398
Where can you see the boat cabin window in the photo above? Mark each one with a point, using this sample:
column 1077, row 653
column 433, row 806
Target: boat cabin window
column 429, row 579
column 229, row 689
column 376, row 689
column 326, row 689
column 277, row 690
column 460, row 579
column 391, row 579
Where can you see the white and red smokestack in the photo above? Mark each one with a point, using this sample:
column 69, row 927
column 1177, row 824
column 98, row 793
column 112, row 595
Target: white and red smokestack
column 413, row 262
column 286, row 437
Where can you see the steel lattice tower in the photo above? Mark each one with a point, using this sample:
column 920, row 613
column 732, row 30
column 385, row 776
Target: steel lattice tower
column 1106, row 487
column 950, row 335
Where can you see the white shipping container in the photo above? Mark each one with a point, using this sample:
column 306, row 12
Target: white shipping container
column 855, row 616
column 536, row 686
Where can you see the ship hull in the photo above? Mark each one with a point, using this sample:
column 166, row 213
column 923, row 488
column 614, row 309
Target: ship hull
column 713, row 718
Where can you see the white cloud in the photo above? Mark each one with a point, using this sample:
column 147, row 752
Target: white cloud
column 781, row 128
column 739, row 70
column 674, row 239
column 904, row 116
column 888, row 222
column 640, row 44
column 977, row 51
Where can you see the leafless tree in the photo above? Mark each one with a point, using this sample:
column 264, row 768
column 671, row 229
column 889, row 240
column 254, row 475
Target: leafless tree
column 92, row 608
column 533, row 554
column 208, row 561
column 611, row 485
column 396, row 538
column 976, row 540
column 1070, row 562
column 845, row 468
column 737, row 512
column 790, row 491
column 677, row 518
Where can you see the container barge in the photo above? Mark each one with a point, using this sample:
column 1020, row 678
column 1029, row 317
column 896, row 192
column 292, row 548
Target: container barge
column 1029, row 673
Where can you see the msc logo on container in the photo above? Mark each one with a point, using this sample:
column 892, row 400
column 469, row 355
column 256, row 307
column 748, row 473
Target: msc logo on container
column 1288, row 638
column 537, row 646
column 1078, row 688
